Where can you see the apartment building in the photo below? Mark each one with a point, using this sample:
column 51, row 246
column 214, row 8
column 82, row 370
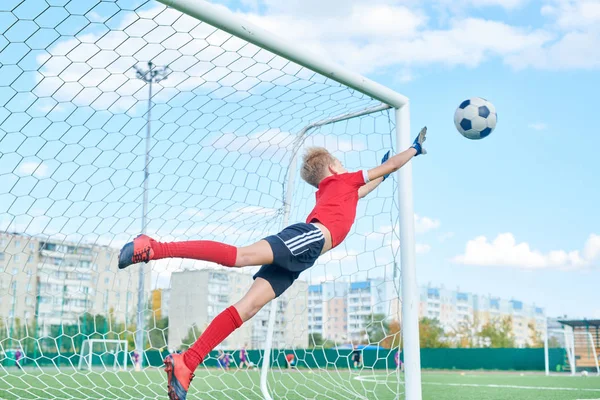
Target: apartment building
column 58, row 281
column 202, row 294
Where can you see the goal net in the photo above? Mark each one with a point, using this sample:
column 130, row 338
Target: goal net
column 106, row 354
column 572, row 351
column 207, row 145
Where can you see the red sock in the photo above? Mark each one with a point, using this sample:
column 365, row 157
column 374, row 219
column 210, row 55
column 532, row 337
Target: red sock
column 218, row 330
column 204, row 250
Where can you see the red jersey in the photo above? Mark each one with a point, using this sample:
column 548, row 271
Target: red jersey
column 337, row 198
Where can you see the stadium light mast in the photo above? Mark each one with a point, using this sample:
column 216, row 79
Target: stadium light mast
column 153, row 74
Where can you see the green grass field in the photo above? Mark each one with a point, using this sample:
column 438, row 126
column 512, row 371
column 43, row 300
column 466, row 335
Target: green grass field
column 297, row 385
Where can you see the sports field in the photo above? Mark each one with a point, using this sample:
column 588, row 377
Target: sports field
column 298, row 385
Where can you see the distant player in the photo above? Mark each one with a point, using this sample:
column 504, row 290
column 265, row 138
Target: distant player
column 290, row 360
column 223, row 359
column 18, row 356
column 398, row 361
column 244, row 362
column 283, row 256
column 356, row 357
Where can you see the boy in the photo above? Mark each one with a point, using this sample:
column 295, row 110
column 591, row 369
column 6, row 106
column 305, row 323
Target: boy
column 283, row 256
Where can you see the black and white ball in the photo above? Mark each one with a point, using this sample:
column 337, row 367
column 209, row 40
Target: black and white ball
column 475, row 118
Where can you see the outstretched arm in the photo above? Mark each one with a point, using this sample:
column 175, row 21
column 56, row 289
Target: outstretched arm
column 392, row 165
column 396, row 162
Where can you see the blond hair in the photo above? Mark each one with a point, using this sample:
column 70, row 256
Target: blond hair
column 314, row 165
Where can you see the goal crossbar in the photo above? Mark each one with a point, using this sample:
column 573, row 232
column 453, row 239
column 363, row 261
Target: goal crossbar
column 222, row 18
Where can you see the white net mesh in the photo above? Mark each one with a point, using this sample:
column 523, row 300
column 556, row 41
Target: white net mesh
column 225, row 127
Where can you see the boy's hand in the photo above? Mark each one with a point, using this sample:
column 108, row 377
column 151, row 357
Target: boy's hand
column 418, row 143
column 383, row 160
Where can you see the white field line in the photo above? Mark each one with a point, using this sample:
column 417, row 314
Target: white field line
column 571, row 389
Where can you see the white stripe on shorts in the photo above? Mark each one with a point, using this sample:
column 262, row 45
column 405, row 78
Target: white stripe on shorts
column 290, row 242
column 307, row 242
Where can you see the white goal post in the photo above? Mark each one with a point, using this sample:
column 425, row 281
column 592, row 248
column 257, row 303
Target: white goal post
column 579, row 347
column 230, row 23
column 87, row 353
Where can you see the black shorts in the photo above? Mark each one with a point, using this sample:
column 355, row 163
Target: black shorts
column 295, row 249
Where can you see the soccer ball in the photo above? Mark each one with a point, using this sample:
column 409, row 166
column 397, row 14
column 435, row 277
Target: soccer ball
column 475, row 118
column 584, row 373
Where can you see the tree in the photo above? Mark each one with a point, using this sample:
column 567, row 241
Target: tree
column 498, row 333
column 535, row 337
column 465, row 335
column 158, row 333
column 377, row 328
column 554, row 343
column 192, row 335
column 394, row 336
column 431, row 334
column 315, row 339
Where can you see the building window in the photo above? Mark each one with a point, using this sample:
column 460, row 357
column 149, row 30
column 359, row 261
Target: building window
column 2, row 256
column 107, row 280
column 17, row 258
column 15, row 271
column 17, row 243
column 31, row 246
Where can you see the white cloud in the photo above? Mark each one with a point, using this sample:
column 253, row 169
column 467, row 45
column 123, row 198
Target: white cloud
column 538, row 126
column 577, row 26
column 461, row 5
column 571, row 14
column 423, row 248
column 505, row 251
column 375, row 35
column 468, row 41
column 36, row 169
column 425, row 224
column 508, row 4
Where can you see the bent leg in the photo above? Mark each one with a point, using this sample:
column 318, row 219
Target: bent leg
column 224, row 324
column 260, row 293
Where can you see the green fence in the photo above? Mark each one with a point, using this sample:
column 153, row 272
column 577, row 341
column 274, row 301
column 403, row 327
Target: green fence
column 498, row 359
column 490, row 359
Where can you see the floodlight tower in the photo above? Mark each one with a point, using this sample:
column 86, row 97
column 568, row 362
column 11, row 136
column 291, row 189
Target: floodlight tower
column 153, row 74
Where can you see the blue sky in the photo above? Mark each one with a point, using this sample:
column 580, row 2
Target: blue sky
column 513, row 215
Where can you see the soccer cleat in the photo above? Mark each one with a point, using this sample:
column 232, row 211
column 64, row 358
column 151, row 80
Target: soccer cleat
column 418, row 143
column 140, row 250
column 179, row 376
